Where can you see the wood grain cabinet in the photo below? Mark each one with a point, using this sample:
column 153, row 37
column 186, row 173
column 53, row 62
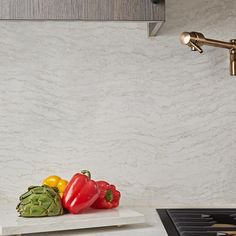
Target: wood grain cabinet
column 88, row 10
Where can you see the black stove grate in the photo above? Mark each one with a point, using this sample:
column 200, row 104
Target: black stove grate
column 199, row 222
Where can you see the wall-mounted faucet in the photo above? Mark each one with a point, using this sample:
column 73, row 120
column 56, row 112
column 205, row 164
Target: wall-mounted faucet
column 196, row 40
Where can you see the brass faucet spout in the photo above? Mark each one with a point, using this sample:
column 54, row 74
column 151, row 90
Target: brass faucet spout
column 195, row 40
column 217, row 43
column 186, row 38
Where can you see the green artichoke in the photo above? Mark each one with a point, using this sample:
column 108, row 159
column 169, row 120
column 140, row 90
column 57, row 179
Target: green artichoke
column 40, row 201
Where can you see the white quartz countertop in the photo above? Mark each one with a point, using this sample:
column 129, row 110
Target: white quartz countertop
column 151, row 227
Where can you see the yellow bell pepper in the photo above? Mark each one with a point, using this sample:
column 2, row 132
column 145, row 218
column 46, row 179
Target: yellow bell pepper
column 56, row 181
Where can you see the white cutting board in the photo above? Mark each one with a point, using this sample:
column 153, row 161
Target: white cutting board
column 11, row 224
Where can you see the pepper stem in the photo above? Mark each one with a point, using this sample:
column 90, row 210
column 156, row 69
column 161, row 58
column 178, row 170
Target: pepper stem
column 109, row 196
column 87, row 173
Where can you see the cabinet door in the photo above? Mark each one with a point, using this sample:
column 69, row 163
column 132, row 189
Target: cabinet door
column 109, row 10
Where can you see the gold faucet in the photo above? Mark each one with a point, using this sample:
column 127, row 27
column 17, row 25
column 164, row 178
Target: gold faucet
column 196, row 40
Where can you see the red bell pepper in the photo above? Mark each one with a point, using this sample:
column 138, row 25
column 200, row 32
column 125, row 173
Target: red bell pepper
column 109, row 196
column 80, row 193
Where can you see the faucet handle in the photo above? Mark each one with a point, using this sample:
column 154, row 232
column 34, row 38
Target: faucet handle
column 195, row 47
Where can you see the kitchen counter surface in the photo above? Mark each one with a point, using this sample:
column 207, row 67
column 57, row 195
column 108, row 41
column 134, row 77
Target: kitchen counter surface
column 152, row 227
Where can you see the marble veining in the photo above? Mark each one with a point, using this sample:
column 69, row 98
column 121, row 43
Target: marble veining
column 146, row 114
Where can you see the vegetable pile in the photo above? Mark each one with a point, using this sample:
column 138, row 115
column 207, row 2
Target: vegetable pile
column 57, row 196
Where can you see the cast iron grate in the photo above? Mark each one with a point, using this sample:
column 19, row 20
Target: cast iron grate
column 199, row 222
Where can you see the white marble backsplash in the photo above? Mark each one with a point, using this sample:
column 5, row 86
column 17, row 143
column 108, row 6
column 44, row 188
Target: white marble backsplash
column 150, row 116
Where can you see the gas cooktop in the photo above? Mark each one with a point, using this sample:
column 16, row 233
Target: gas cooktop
column 199, row 222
